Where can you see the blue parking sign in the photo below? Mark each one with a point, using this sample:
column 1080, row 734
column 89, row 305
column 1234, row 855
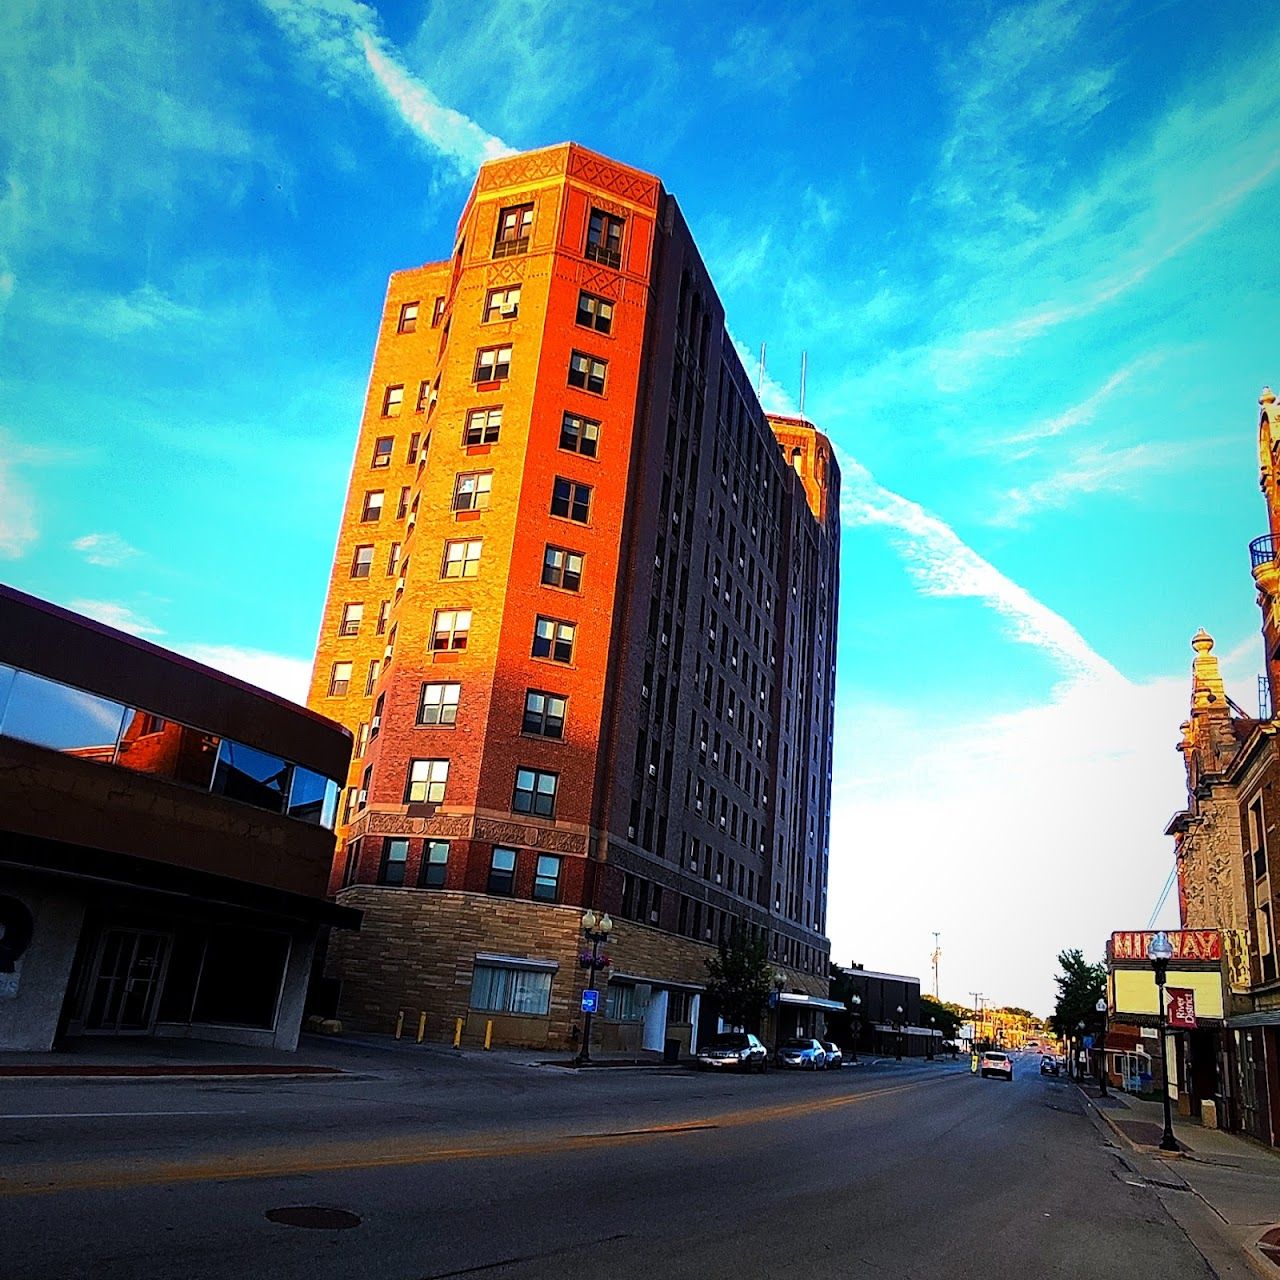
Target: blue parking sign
column 590, row 1001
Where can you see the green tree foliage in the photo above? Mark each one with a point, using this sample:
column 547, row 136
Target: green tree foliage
column 943, row 1016
column 1080, row 987
column 1016, row 1011
column 741, row 979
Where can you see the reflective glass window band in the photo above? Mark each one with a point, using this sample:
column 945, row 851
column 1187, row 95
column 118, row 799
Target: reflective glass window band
column 48, row 714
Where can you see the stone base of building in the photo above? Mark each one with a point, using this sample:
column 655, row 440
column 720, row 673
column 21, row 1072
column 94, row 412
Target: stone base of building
column 417, row 952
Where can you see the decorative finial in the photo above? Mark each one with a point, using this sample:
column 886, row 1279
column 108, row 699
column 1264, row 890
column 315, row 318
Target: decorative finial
column 1267, row 397
column 1202, row 641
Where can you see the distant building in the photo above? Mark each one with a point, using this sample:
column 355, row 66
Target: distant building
column 165, row 840
column 582, row 622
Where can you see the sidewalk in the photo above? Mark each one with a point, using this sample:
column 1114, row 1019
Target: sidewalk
column 1238, row 1179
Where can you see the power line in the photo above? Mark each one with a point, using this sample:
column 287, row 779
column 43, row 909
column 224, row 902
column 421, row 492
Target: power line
column 1164, row 894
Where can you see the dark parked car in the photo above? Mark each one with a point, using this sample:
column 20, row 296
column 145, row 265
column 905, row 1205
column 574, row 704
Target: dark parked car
column 1049, row 1066
column 803, row 1052
column 733, row 1050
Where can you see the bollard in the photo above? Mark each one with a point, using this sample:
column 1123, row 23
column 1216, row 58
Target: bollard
column 488, row 1034
column 399, row 1024
column 422, row 1027
column 457, row 1033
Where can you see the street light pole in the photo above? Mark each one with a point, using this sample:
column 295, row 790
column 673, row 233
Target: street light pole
column 898, row 1028
column 929, row 1054
column 1101, row 1006
column 1079, row 1050
column 855, row 1001
column 1160, row 952
column 596, row 930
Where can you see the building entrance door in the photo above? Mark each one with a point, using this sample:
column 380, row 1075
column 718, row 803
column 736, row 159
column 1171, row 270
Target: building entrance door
column 127, row 977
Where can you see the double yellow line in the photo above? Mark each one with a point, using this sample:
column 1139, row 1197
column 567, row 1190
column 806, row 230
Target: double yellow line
column 352, row 1156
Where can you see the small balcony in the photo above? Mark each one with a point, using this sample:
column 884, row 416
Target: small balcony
column 1262, row 551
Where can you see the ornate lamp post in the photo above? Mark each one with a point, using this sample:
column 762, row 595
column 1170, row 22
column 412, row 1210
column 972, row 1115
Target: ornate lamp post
column 1079, row 1050
column 929, row 1052
column 897, row 1026
column 596, row 929
column 1160, row 952
column 1101, row 1007
column 855, row 1002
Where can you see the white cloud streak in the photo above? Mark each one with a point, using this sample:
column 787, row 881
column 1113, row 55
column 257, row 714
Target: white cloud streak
column 17, row 514
column 941, row 564
column 108, row 550
column 288, row 677
column 115, row 614
column 341, row 38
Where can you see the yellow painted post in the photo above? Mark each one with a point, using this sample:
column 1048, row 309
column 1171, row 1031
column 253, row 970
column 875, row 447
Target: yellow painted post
column 422, row 1027
column 399, row 1024
column 488, row 1034
column 457, row 1033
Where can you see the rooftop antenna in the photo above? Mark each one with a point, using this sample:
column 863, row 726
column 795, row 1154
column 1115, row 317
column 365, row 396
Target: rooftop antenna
column 937, row 955
column 760, row 379
column 804, row 368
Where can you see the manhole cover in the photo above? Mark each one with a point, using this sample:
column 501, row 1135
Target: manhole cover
column 314, row 1216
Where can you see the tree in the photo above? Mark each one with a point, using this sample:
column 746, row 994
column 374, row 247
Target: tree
column 741, row 979
column 943, row 1018
column 1080, row 987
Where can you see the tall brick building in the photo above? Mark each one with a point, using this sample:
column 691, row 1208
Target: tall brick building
column 582, row 622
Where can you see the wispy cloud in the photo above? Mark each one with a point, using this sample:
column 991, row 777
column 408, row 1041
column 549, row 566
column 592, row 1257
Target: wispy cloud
column 942, row 564
column 343, row 41
column 289, row 677
column 115, row 614
column 17, row 514
column 109, row 550
column 760, row 58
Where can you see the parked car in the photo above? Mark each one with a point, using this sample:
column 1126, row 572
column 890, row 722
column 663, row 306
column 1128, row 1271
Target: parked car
column 803, row 1052
column 995, row 1063
column 1049, row 1066
column 733, row 1050
column 834, row 1056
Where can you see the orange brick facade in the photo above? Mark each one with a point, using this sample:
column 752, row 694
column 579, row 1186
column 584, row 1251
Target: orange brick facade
column 637, row 713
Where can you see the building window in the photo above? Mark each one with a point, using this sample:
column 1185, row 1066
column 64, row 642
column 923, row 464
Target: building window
column 384, row 613
column 546, row 878
column 426, row 781
column 604, row 238
column 587, row 372
column 372, row 509
column 382, row 450
column 412, row 455
column 425, row 399
column 362, row 561
column 438, row 704
column 339, row 679
column 595, row 312
column 352, row 616
column 571, row 500
column 502, row 872
column 493, row 364
column 435, row 864
column 620, row 1003
column 471, row 491
column 544, row 714
column 514, row 224
column 502, row 304
column 579, row 435
column 370, row 683
column 437, row 311
column 402, row 507
column 392, row 398
column 535, row 793
column 395, row 856
column 408, row 321
column 450, row 629
column 500, row 990
column 366, row 781
column 562, row 568
column 461, row 559
column 483, row 426
column 553, row 639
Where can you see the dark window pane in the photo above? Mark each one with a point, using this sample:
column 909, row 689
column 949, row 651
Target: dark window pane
column 251, row 776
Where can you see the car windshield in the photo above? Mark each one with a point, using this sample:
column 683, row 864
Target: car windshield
column 999, row 1057
column 728, row 1042
column 798, row 1044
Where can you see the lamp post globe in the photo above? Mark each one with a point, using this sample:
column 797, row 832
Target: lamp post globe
column 898, row 1027
column 1160, row 952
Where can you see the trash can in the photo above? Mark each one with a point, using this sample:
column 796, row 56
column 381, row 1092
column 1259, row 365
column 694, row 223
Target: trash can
column 671, row 1051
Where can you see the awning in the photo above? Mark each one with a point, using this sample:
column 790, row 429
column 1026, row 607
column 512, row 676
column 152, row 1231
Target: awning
column 810, row 1002
column 1255, row 1020
column 908, row 1031
column 516, row 962
column 669, row 984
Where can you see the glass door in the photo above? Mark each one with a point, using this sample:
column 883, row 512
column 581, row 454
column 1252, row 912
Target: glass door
column 126, row 981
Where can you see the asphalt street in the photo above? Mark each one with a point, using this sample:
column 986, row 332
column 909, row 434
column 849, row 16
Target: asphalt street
column 448, row 1166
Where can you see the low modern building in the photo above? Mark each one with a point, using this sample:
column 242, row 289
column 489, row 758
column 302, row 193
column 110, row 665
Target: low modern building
column 166, row 835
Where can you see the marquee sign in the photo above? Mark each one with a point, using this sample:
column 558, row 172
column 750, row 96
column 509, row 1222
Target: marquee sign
column 1203, row 945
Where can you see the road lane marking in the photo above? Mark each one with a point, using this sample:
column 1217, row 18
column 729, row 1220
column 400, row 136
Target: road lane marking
column 110, row 1115
column 353, row 1157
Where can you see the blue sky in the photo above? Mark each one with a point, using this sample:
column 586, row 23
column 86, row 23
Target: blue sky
column 1030, row 250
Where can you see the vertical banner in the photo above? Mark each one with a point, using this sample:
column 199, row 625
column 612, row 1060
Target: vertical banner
column 1180, row 1011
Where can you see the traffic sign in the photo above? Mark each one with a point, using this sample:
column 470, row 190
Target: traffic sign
column 590, row 1001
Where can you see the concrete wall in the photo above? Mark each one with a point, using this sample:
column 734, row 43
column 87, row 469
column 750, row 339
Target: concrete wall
column 29, row 1016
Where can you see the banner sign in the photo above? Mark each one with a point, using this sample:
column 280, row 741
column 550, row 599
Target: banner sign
column 1181, row 1007
column 1204, row 945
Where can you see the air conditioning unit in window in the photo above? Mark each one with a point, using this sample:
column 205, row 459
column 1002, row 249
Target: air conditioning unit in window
column 697, row 804
column 375, row 724
column 653, row 771
column 510, row 310
column 644, row 690
column 361, row 799
column 715, row 757
column 664, row 638
column 631, row 833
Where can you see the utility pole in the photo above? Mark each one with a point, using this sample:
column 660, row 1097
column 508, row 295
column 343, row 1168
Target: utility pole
column 937, row 955
column 977, row 996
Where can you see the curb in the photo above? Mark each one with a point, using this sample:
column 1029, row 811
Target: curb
column 105, row 1073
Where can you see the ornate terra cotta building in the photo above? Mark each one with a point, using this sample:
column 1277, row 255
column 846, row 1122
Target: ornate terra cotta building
column 582, row 621
column 1225, row 839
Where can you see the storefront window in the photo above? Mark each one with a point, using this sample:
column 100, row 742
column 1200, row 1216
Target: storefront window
column 502, row 990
